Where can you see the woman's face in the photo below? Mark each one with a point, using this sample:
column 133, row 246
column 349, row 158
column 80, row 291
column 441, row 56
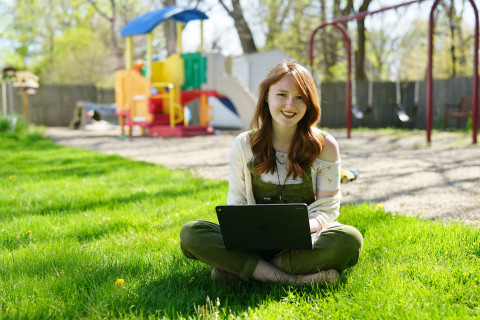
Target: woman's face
column 286, row 103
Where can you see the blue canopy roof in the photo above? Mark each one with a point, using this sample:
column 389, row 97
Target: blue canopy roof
column 147, row 22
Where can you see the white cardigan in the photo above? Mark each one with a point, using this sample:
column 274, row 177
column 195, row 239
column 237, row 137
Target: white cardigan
column 240, row 190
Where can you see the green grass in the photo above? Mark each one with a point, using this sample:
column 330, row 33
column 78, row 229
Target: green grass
column 95, row 218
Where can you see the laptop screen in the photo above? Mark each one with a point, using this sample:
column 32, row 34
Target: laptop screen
column 265, row 226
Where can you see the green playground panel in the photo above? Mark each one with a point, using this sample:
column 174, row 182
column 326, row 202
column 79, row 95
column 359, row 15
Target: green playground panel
column 195, row 70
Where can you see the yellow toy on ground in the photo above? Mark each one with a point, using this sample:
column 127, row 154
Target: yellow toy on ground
column 349, row 175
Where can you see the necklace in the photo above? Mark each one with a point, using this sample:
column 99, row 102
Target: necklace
column 279, row 183
column 278, row 160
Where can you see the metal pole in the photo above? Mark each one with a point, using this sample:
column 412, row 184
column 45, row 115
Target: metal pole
column 149, row 55
column 429, row 98
column 475, row 77
column 10, row 97
column 4, row 98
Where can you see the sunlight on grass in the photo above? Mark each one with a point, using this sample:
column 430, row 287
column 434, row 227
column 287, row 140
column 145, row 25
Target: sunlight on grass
column 74, row 223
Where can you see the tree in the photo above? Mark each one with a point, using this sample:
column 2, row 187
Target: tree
column 111, row 16
column 79, row 57
column 275, row 17
column 458, row 45
column 287, row 26
column 380, row 47
column 360, row 73
column 169, row 28
column 34, row 25
column 244, row 33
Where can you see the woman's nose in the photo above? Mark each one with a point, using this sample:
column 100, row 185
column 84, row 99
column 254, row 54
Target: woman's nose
column 290, row 101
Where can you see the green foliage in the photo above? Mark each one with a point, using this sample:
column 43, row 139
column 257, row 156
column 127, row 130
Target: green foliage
column 469, row 124
column 17, row 125
column 73, row 222
column 79, row 57
column 289, row 26
column 65, row 41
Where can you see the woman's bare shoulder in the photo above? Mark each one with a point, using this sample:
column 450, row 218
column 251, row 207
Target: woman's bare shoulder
column 330, row 151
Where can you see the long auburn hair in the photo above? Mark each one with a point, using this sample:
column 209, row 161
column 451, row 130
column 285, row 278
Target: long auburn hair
column 306, row 145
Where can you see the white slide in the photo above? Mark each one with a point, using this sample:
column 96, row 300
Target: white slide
column 241, row 97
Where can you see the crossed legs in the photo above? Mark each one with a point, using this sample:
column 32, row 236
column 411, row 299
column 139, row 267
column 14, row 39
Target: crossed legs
column 335, row 249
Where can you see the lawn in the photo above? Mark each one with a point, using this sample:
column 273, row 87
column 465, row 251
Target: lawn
column 74, row 222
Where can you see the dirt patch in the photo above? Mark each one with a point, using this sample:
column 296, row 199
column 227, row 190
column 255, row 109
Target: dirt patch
column 396, row 169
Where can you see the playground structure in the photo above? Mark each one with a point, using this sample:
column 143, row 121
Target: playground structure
column 429, row 94
column 153, row 95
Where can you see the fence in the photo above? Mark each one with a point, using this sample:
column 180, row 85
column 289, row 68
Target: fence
column 383, row 102
column 53, row 105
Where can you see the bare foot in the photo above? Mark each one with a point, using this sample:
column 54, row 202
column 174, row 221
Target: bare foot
column 323, row 277
column 223, row 276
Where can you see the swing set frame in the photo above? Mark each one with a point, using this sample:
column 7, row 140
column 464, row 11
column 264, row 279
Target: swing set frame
column 338, row 24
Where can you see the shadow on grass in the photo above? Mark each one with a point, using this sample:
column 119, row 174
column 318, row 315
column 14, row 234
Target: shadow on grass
column 20, row 142
column 119, row 202
column 53, row 165
column 197, row 296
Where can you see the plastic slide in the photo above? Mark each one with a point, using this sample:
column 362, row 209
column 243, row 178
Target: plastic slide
column 241, row 97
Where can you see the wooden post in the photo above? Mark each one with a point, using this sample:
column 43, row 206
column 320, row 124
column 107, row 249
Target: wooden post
column 121, row 122
column 25, row 104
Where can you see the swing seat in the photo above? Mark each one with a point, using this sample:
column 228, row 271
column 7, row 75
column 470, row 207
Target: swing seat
column 357, row 113
column 402, row 115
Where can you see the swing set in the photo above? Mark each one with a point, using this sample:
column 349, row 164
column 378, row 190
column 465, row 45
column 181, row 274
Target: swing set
column 351, row 108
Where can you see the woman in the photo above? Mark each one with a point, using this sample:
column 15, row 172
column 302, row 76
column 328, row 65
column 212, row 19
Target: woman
column 285, row 158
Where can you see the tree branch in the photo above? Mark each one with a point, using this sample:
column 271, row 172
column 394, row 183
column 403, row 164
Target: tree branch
column 226, row 8
column 100, row 12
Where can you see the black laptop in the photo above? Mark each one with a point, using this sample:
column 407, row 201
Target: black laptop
column 265, row 226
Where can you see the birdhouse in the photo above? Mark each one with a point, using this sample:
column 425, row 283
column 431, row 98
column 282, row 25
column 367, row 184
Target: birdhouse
column 26, row 80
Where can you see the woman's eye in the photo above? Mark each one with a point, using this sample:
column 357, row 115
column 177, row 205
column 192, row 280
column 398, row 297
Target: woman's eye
column 282, row 95
column 299, row 98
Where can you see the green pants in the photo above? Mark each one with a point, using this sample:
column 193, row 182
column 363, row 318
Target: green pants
column 337, row 247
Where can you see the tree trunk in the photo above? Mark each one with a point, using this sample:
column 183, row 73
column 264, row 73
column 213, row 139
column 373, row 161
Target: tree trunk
column 451, row 20
column 116, row 48
column 243, row 30
column 170, row 30
column 359, row 56
column 328, row 45
column 360, row 73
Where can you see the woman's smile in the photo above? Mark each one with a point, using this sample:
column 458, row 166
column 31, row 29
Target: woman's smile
column 288, row 115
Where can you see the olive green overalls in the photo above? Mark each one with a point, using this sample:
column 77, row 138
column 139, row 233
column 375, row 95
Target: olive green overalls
column 337, row 247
